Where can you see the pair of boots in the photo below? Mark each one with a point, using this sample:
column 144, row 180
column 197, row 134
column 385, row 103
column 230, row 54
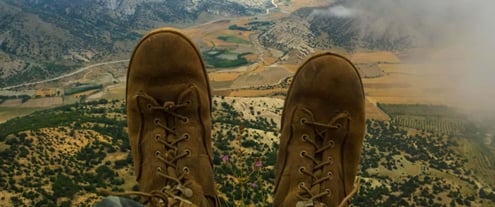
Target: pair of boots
column 169, row 121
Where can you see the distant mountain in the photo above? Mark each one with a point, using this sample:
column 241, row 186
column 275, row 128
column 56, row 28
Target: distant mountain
column 347, row 31
column 317, row 28
column 34, row 34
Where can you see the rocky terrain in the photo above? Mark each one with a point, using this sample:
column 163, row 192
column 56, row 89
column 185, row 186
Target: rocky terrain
column 293, row 36
column 37, row 34
column 64, row 160
column 311, row 29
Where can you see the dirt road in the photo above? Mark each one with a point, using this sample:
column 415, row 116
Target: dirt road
column 64, row 75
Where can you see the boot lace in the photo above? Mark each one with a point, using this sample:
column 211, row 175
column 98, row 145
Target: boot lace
column 176, row 191
column 305, row 194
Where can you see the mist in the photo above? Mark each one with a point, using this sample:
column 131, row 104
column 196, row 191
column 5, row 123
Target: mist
column 463, row 29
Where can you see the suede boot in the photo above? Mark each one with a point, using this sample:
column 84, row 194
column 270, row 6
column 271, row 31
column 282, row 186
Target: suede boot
column 169, row 121
column 323, row 126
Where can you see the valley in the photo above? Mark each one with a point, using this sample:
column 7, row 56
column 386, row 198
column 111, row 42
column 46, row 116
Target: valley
column 64, row 137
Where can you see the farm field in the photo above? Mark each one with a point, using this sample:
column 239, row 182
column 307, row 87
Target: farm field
column 420, row 148
column 7, row 113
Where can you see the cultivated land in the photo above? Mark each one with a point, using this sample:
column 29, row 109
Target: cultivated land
column 419, row 149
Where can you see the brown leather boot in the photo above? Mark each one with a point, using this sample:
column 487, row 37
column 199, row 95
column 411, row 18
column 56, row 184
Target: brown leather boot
column 322, row 133
column 169, row 120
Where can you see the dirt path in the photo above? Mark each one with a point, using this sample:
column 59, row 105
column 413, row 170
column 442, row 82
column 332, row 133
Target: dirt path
column 64, row 75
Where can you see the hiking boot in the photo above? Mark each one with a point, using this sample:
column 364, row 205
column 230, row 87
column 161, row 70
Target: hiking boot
column 169, row 121
column 322, row 133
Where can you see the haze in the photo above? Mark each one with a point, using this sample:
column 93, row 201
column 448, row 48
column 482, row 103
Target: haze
column 460, row 32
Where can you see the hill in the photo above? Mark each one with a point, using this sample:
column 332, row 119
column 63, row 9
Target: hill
column 41, row 39
column 64, row 159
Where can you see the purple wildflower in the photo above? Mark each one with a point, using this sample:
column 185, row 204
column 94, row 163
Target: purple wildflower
column 225, row 158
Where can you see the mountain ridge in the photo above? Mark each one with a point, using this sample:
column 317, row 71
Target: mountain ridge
column 38, row 32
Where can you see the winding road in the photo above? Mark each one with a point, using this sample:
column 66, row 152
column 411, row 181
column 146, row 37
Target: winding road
column 255, row 41
column 64, row 75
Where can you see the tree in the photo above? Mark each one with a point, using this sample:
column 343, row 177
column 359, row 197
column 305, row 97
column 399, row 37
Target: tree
column 64, row 187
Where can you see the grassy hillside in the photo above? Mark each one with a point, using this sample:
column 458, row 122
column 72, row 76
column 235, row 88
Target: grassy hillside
column 37, row 35
column 61, row 156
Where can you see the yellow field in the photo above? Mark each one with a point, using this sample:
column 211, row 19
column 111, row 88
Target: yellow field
column 223, row 76
column 293, row 5
column 411, row 84
column 374, row 57
column 7, row 113
column 373, row 112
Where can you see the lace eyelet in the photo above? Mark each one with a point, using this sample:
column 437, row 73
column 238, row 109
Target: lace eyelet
column 329, row 192
column 188, row 102
column 186, row 170
column 186, row 136
column 331, row 160
column 157, row 121
column 303, row 121
column 157, row 153
column 330, row 175
column 301, row 185
column 186, row 120
column 302, row 153
column 338, row 126
column 159, row 169
column 301, row 170
column 149, row 106
column 157, row 137
column 188, row 152
column 304, row 137
column 331, row 143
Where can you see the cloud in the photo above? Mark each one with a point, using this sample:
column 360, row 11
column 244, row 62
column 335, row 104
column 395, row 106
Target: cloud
column 463, row 28
column 336, row 11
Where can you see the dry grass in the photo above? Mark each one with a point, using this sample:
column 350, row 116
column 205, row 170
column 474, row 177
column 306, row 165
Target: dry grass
column 373, row 112
column 34, row 102
column 7, row 113
column 261, row 76
column 374, row 57
column 115, row 92
column 223, row 76
column 296, row 4
column 410, row 84
column 257, row 93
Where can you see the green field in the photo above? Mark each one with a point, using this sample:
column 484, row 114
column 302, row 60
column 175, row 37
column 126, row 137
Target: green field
column 431, row 118
column 233, row 39
column 7, row 113
column 213, row 58
column 82, row 88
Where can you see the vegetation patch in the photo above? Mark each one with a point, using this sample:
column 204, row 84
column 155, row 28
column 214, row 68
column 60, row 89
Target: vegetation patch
column 432, row 118
column 82, row 88
column 213, row 58
column 233, row 39
column 240, row 28
column 23, row 98
column 58, row 156
column 252, row 26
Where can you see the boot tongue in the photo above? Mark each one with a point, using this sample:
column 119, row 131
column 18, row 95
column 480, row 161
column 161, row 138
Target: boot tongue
column 174, row 91
column 172, row 172
column 316, row 189
column 189, row 91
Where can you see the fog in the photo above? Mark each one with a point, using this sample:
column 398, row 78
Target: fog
column 463, row 29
